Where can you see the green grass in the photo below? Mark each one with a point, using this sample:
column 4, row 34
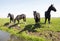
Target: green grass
column 54, row 26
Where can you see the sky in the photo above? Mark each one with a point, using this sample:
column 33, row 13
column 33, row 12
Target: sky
column 18, row 7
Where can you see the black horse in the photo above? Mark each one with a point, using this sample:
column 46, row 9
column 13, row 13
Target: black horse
column 19, row 17
column 36, row 16
column 11, row 17
column 47, row 13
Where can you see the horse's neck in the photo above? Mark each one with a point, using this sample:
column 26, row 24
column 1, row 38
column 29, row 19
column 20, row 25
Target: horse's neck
column 49, row 10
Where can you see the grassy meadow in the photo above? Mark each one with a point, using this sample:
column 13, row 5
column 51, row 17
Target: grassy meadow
column 32, row 32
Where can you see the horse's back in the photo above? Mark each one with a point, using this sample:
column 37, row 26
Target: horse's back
column 20, row 16
column 12, row 16
column 23, row 15
column 38, row 15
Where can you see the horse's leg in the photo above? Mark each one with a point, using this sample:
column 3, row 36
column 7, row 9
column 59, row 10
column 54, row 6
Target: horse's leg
column 39, row 19
column 24, row 19
column 49, row 20
column 36, row 21
column 13, row 21
column 18, row 21
column 45, row 20
column 10, row 20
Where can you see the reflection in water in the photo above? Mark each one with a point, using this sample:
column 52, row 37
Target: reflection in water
column 4, row 36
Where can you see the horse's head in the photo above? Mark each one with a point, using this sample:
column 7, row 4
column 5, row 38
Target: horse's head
column 8, row 14
column 34, row 13
column 52, row 8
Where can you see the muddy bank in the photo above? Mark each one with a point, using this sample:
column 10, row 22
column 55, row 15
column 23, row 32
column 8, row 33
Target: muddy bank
column 15, row 38
column 50, row 35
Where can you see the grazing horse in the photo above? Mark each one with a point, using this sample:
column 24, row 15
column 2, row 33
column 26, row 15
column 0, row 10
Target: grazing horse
column 11, row 17
column 19, row 17
column 36, row 16
column 47, row 13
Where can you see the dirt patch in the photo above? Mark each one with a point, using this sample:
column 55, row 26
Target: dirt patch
column 15, row 38
column 11, row 25
column 50, row 35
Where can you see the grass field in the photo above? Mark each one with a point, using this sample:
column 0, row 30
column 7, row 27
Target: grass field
column 32, row 32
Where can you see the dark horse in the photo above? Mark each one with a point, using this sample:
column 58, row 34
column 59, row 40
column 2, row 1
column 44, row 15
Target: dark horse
column 19, row 17
column 36, row 16
column 11, row 17
column 47, row 13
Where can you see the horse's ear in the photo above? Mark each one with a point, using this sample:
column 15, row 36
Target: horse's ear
column 34, row 11
column 8, row 13
column 52, row 4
